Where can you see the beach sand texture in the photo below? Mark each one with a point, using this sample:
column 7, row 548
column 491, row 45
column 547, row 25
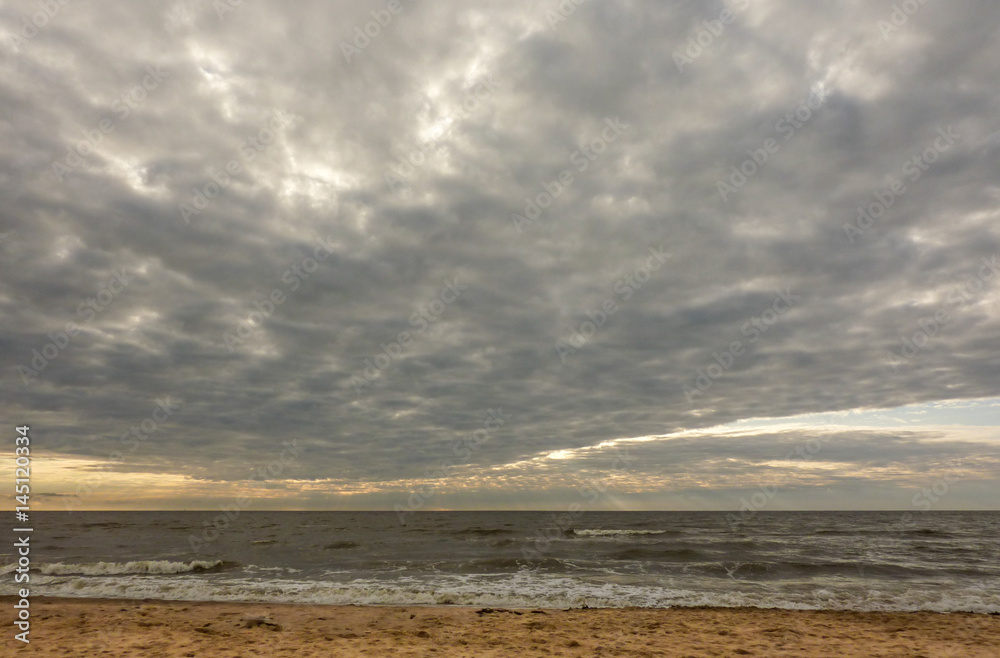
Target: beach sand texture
column 88, row 627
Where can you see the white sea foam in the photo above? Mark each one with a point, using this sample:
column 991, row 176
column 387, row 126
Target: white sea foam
column 522, row 589
column 250, row 568
column 615, row 533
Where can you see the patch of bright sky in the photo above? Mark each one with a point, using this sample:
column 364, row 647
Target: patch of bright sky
column 980, row 413
column 984, row 412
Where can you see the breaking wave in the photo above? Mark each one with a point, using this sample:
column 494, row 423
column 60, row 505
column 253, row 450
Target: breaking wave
column 150, row 567
column 521, row 589
column 617, row 533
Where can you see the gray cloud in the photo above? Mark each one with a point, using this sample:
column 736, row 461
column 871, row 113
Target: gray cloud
column 320, row 178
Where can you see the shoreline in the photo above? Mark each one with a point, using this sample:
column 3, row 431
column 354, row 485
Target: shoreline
column 153, row 627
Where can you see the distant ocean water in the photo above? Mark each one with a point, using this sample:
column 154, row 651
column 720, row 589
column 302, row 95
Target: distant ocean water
column 940, row 561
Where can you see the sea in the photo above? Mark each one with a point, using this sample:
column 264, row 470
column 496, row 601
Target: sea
column 886, row 561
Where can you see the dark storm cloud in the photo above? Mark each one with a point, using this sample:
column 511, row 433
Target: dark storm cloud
column 210, row 158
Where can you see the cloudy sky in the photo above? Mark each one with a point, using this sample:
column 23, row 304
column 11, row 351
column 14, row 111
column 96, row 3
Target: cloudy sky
column 439, row 255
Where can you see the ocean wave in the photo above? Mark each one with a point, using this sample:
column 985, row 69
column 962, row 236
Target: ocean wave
column 616, row 533
column 653, row 553
column 515, row 564
column 150, row 567
column 889, row 531
column 253, row 568
column 525, row 589
column 776, row 572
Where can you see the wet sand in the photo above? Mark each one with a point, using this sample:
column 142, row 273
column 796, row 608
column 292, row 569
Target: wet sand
column 104, row 627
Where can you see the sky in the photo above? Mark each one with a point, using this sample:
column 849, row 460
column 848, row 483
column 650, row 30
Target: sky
column 413, row 255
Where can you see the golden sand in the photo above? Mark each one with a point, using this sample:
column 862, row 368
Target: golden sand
column 88, row 627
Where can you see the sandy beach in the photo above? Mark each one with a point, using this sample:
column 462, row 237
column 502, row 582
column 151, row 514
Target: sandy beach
column 89, row 627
